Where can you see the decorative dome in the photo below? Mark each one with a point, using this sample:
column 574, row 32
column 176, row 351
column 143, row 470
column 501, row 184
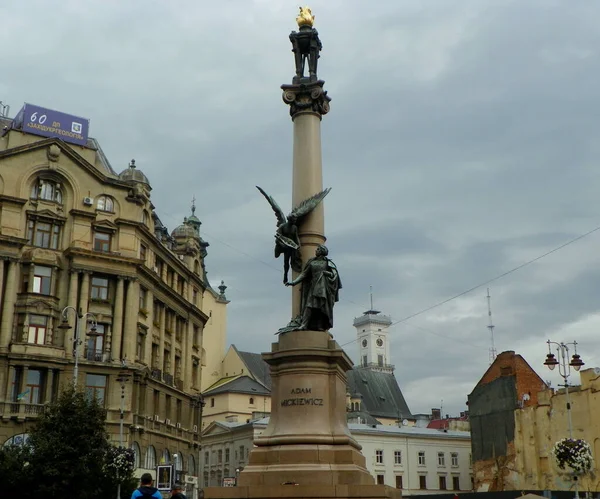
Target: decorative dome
column 132, row 174
column 184, row 230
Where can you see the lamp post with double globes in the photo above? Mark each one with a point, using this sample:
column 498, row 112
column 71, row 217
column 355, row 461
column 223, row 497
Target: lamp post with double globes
column 79, row 319
column 564, row 369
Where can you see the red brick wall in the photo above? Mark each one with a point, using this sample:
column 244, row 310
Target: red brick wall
column 511, row 364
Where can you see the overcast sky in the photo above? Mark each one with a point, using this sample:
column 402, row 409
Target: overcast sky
column 463, row 140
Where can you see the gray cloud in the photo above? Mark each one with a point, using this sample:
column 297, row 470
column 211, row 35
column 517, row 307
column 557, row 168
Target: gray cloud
column 462, row 142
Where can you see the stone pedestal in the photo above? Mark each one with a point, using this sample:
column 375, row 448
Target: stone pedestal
column 306, row 451
column 307, row 440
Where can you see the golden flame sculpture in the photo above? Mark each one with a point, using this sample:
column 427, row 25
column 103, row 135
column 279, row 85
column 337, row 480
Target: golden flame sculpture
column 305, row 18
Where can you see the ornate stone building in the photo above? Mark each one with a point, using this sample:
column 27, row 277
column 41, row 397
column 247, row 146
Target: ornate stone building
column 77, row 236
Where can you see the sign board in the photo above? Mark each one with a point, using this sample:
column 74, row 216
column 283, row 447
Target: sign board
column 48, row 123
column 164, row 477
column 229, row 481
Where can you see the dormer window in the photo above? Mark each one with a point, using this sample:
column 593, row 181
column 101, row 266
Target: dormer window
column 48, row 190
column 105, row 203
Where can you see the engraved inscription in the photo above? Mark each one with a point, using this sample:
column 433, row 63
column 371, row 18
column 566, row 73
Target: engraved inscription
column 301, row 400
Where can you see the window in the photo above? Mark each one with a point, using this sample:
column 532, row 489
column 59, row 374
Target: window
column 380, row 479
column 197, row 267
column 145, row 218
column 226, row 455
column 180, row 284
column 251, row 400
column 441, row 459
column 43, row 234
column 219, row 456
column 197, row 339
column 135, row 447
column 156, row 313
column 99, row 288
column 470, row 460
column 398, row 481
column 95, row 344
column 241, row 452
column 37, row 329
column 442, row 483
column 364, row 360
column 33, row 387
column 105, row 203
column 191, row 465
column 397, row 457
column 95, row 387
column 143, row 252
column 166, row 456
column 456, row 482
column 168, row 413
column 102, row 241
column 422, row 482
column 379, row 456
column 47, row 190
column 158, row 266
column 195, row 297
column 206, row 458
column 156, row 401
column 143, row 297
column 141, row 342
column 42, row 278
column 380, row 360
column 421, row 456
column 212, row 402
column 454, row 458
column 150, row 458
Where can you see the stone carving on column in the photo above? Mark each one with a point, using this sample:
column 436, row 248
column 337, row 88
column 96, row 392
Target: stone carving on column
column 287, row 242
column 310, row 97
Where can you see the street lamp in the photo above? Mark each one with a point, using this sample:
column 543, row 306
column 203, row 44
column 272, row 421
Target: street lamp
column 198, row 403
column 564, row 369
column 79, row 319
column 122, row 378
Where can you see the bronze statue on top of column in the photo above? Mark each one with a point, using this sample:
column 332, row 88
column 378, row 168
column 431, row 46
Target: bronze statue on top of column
column 306, row 46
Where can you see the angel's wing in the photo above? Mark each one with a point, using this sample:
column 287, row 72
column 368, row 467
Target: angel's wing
column 278, row 213
column 308, row 205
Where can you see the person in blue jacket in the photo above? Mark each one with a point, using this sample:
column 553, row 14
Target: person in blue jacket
column 146, row 489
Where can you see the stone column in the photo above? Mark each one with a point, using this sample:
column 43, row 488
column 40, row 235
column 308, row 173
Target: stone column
column 150, row 321
column 8, row 307
column 49, row 386
column 131, row 316
column 73, row 284
column 8, row 389
column 117, row 325
column 84, row 298
column 308, row 103
column 186, row 353
column 161, row 341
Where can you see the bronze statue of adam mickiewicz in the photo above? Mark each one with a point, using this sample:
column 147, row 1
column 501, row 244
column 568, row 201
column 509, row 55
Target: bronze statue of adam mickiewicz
column 320, row 290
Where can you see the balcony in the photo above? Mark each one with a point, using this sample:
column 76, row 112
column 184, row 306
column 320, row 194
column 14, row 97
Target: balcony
column 156, row 374
column 20, row 409
column 168, row 379
column 93, row 354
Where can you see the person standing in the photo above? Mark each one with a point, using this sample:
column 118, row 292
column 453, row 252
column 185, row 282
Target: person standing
column 177, row 492
column 146, row 489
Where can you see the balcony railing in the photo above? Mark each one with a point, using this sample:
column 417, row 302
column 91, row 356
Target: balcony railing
column 156, row 374
column 9, row 409
column 94, row 355
column 168, row 379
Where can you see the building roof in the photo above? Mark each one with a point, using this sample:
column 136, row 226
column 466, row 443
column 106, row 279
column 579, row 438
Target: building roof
column 408, row 431
column 381, row 395
column 240, row 384
column 363, row 417
column 440, row 424
column 257, row 367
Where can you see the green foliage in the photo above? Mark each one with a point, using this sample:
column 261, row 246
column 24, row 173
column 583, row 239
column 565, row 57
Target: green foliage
column 68, row 454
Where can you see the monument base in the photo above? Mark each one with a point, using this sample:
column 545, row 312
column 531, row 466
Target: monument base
column 304, row 492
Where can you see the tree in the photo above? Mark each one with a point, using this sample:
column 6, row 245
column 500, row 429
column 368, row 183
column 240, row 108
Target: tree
column 69, row 453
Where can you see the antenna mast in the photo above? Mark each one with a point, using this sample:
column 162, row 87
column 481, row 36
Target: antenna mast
column 371, row 295
column 491, row 328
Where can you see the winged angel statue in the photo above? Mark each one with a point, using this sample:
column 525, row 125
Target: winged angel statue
column 287, row 242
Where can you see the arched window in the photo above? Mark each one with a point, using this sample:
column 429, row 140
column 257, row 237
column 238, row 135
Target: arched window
column 166, row 457
column 178, row 461
column 105, row 203
column 145, row 218
column 150, row 458
column 191, row 465
column 48, row 190
column 136, row 454
column 251, row 400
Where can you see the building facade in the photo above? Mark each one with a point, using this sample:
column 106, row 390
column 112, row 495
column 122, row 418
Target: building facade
column 416, row 460
column 78, row 239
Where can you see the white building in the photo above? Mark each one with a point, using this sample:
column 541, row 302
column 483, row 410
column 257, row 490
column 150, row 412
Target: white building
column 417, row 460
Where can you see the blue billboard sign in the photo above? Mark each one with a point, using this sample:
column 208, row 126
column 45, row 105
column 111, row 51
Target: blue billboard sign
column 48, row 123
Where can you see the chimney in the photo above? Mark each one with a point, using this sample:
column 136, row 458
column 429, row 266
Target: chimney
column 436, row 414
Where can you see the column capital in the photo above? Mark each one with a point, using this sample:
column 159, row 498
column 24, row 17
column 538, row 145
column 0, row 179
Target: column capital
column 129, row 278
column 306, row 98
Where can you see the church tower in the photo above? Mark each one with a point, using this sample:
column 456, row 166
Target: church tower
column 373, row 340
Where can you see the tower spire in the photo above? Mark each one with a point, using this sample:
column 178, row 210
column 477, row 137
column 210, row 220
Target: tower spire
column 491, row 327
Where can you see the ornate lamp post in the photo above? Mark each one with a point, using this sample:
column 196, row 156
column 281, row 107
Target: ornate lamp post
column 79, row 319
column 564, row 369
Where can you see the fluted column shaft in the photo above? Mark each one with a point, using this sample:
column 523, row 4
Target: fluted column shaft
column 8, row 307
column 131, row 316
column 117, row 325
